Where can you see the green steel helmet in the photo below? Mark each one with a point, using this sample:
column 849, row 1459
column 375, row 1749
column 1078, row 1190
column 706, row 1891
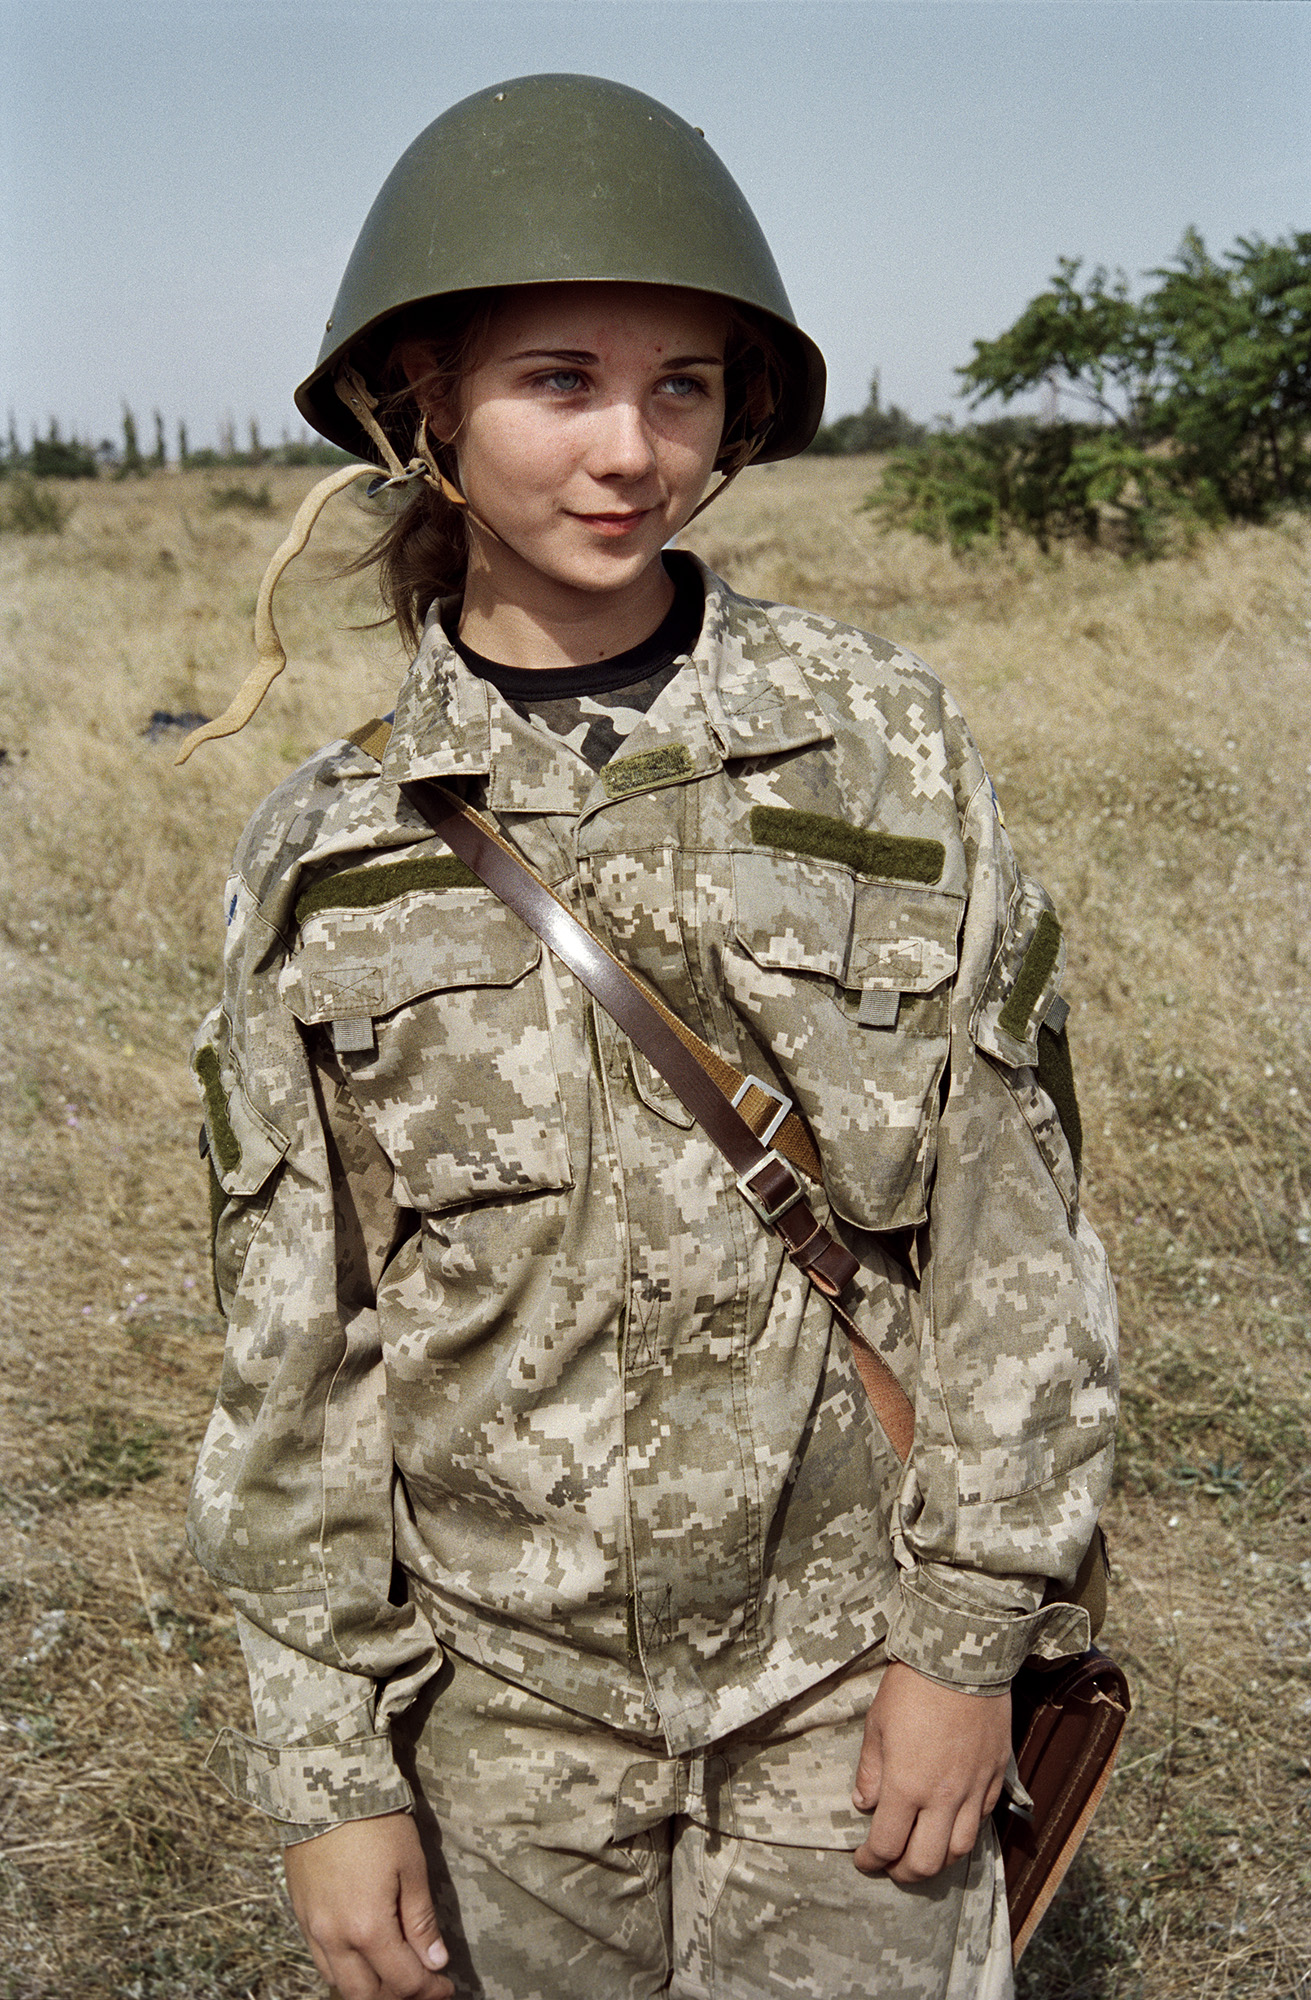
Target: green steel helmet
column 551, row 178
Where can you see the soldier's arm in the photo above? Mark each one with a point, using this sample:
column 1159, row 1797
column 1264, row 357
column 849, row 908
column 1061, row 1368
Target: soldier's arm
column 292, row 1503
column 1016, row 1393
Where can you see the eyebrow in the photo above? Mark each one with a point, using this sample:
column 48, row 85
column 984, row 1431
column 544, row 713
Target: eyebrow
column 583, row 356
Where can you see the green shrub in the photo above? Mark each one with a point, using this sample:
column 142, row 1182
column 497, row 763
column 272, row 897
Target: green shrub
column 28, row 509
column 257, row 500
column 55, row 457
column 1054, row 482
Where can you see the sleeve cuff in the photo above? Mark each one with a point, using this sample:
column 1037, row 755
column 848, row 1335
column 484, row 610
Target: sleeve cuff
column 312, row 1787
column 950, row 1639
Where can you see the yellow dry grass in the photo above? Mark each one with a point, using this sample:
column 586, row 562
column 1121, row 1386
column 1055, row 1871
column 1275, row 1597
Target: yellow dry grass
column 1148, row 730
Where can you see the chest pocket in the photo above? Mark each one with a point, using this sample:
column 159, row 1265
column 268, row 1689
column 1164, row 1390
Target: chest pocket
column 847, row 983
column 438, row 1016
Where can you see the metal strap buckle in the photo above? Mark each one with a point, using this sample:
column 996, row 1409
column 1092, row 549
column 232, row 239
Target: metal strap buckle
column 769, row 1216
column 766, row 1090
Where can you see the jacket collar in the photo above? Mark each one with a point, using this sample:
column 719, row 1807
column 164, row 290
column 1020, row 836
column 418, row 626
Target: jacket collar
column 745, row 697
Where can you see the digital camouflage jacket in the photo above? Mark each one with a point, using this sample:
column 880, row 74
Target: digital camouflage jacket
column 511, row 1364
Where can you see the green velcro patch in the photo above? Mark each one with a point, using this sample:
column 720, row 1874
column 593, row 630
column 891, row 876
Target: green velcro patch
column 1056, row 1075
column 222, row 1138
column 902, row 857
column 372, row 737
column 1039, row 959
column 366, row 888
column 647, row 767
column 218, row 1201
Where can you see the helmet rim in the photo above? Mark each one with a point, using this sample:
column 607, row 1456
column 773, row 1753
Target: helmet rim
column 622, row 191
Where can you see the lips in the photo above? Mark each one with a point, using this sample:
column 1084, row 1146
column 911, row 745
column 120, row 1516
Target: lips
column 614, row 525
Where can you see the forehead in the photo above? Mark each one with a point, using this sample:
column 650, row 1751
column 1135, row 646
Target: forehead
column 593, row 317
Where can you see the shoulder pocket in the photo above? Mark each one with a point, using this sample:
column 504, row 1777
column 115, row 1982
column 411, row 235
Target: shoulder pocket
column 847, row 982
column 244, row 1147
column 243, row 1150
column 1020, row 1022
column 438, row 1016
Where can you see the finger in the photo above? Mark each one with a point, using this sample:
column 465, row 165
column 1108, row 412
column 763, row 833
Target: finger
column 965, row 1831
column 927, row 1851
column 889, row 1831
column 351, row 1977
column 402, row 1975
column 419, row 1919
column 869, row 1768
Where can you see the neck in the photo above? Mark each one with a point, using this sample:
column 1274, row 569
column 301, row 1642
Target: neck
column 538, row 622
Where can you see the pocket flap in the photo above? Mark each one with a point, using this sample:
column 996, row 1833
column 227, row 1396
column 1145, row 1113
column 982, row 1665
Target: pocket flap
column 244, row 1147
column 809, row 916
column 793, row 915
column 357, row 962
column 903, row 937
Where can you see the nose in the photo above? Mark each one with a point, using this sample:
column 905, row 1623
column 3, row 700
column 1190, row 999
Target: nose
column 623, row 447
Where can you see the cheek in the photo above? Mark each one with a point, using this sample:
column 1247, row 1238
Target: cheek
column 508, row 445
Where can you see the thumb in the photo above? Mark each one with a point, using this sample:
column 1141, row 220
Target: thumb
column 419, row 1919
column 869, row 1770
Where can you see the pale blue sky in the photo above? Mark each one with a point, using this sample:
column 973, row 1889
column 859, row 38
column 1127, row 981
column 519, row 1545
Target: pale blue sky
column 183, row 179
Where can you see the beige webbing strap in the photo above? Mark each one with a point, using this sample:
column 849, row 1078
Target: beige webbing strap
column 270, row 654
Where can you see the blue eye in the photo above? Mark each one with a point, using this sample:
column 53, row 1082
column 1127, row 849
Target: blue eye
column 684, row 386
column 566, row 381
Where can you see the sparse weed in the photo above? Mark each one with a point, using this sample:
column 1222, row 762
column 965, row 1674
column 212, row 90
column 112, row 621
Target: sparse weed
column 246, row 499
column 112, row 1453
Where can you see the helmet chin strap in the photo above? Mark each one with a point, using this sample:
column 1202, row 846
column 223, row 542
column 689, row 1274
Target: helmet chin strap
column 744, row 456
column 361, row 402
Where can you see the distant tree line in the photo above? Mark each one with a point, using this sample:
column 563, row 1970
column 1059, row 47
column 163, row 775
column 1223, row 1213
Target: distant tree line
column 870, row 429
column 56, row 456
column 1191, row 405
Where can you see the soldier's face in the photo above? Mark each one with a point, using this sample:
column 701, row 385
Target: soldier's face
column 588, row 428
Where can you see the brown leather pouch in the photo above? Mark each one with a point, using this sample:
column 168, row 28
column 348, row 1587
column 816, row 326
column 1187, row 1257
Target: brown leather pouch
column 1067, row 1720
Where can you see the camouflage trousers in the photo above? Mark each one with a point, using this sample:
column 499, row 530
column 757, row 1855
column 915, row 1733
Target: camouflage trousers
column 572, row 1861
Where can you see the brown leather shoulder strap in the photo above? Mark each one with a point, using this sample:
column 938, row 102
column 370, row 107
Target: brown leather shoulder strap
column 725, row 1104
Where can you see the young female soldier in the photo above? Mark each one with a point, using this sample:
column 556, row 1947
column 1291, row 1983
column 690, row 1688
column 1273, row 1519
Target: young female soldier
column 577, row 1579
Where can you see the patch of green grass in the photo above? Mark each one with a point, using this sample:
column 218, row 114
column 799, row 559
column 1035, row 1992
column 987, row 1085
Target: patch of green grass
column 29, row 509
column 112, row 1453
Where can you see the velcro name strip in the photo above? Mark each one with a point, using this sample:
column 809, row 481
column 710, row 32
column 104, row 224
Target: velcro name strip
column 898, row 857
column 367, row 888
column 1035, row 970
column 646, row 767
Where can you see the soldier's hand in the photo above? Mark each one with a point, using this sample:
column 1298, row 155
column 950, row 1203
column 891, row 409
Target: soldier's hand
column 931, row 1766
column 361, row 1897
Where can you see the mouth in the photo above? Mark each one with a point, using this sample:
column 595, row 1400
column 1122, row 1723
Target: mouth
column 615, row 525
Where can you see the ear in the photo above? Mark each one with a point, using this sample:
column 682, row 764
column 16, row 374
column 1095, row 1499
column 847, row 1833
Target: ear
column 417, row 360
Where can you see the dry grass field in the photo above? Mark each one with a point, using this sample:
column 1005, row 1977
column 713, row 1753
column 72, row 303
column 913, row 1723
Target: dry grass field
column 1149, row 731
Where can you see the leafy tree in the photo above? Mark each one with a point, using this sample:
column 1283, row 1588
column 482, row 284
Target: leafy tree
column 130, row 459
column 870, row 429
column 159, row 456
column 1232, row 352
column 183, row 454
column 1193, row 402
